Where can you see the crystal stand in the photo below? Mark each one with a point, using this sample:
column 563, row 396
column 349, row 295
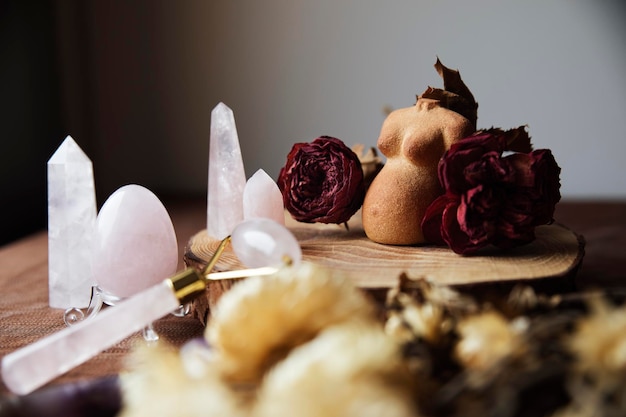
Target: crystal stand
column 100, row 297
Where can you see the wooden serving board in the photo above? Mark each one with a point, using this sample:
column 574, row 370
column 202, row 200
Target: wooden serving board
column 554, row 255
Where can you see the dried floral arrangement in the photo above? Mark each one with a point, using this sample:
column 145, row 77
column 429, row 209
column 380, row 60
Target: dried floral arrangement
column 308, row 343
column 444, row 182
column 525, row 355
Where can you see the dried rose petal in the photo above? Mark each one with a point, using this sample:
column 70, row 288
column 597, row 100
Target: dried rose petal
column 451, row 231
column 478, row 213
column 431, row 224
column 538, row 173
column 322, row 181
column 455, row 172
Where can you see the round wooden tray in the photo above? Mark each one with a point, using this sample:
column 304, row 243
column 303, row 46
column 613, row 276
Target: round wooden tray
column 554, row 256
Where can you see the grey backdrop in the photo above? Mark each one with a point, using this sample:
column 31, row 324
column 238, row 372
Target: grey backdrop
column 294, row 70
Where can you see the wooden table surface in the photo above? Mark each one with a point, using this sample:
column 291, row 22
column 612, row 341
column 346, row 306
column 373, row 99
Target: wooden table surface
column 25, row 316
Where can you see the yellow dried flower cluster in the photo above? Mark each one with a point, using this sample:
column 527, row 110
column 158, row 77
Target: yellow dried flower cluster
column 560, row 356
column 259, row 322
column 305, row 342
column 597, row 380
column 159, row 385
column 302, row 341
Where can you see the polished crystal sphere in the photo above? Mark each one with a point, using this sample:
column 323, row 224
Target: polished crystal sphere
column 264, row 242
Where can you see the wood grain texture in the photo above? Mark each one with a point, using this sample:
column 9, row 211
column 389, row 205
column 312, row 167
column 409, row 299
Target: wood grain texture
column 556, row 253
column 370, row 265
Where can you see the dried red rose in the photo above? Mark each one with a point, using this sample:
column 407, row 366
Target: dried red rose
column 491, row 199
column 322, row 181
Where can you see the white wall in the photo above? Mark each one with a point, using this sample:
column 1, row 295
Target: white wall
column 295, row 70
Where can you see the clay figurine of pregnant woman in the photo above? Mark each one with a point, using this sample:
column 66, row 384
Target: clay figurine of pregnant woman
column 414, row 139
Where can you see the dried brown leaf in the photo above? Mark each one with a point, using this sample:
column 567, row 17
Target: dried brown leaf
column 455, row 95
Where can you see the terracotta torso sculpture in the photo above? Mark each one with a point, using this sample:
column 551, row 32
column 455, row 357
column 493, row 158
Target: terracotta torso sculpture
column 413, row 139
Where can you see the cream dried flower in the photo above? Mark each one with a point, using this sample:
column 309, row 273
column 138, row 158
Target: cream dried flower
column 418, row 309
column 260, row 320
column 600, row 339
column 347, row 370
column 597, row 383
column 157, row 383
column 487, row 339
column 424, row 321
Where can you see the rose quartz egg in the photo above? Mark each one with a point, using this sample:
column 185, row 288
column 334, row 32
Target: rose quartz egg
column 135, row 244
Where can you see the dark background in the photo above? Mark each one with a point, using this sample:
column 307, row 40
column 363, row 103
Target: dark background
column 30, row 113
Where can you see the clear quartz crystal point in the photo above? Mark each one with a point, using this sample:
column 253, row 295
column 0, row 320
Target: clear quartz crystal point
column 263, row 199
column 71, row 222
column 227, row 177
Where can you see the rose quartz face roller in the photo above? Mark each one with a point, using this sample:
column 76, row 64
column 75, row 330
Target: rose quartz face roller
column 264, row 242
column 34, row 365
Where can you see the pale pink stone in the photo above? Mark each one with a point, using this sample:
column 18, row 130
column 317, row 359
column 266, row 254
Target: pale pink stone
column 263, row 199
column 135, row 242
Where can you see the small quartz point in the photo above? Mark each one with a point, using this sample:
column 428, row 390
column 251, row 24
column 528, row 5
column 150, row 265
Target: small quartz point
column 227, row 177
column 71, row 222
column 263, row 199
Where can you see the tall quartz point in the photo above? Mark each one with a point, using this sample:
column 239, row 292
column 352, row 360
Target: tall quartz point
column 71, row 223
column 227, row 177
